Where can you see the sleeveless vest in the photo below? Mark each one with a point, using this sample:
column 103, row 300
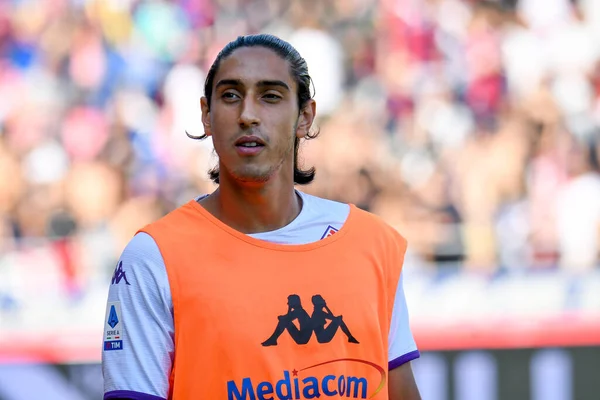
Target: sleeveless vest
column 257, row 320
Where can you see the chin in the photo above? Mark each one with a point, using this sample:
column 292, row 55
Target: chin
column 252, row 177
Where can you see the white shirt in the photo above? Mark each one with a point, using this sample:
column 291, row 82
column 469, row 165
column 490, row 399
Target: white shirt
column 139, row 365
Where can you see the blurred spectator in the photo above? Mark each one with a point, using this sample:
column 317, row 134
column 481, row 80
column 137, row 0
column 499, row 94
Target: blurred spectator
column 578, row 208
column 470, row 126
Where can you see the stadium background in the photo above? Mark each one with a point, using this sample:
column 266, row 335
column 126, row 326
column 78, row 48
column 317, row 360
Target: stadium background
column 471, row 126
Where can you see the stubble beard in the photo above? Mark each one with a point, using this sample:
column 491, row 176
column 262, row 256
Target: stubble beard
column 256, row 173
column 261, row 173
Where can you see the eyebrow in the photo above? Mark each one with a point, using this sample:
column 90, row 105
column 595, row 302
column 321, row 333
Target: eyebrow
column 262, row 84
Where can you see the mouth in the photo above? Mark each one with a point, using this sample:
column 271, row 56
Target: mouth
column 249, row 141
column 249, row 144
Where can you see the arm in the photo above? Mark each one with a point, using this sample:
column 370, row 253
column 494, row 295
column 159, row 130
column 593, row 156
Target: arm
column 402, row 385
column 328, row 313
column 402, row 350
column 138, row 340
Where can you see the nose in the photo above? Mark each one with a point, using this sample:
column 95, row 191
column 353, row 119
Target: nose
column 248, row 115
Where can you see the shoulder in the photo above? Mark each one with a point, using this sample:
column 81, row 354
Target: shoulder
column 174, row 221
column 320, row 205
column 374, row 232
column 140, row 273
column 139, row 245
column 368, row 222
column 142, row 256
column 375, row 224
column 316, row 200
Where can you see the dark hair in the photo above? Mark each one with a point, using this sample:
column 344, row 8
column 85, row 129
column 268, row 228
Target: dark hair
column 294, row 299
column 318, row 300
column 298, row 69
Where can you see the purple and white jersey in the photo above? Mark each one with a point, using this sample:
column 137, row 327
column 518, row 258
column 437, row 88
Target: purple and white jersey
column 139, row 329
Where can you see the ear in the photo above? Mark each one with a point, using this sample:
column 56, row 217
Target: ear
column 205, row 116
column 306, row 118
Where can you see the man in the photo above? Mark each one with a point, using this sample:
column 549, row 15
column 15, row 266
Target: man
column 319, row 317
column 205, row 283
column 296, row 312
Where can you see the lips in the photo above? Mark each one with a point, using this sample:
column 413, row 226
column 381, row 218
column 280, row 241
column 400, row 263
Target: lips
column 249, row 141
column 249, row 145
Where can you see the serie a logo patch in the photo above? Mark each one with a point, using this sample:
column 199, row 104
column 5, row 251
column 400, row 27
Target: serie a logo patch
column 113, row 327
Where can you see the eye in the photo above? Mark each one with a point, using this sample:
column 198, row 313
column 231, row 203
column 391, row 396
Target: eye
column 272, row 97
column 230, row 96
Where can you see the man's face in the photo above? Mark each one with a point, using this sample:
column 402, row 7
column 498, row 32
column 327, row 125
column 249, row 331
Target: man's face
column 254, row 116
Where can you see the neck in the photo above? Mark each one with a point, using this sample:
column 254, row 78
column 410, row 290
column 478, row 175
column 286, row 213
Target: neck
column 254, row 208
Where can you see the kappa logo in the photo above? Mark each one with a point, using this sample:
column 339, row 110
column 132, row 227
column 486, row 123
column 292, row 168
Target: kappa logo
column 119, row 275
column 323, row 323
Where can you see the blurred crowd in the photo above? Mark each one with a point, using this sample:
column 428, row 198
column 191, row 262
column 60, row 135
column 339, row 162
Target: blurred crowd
column 471, row 126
